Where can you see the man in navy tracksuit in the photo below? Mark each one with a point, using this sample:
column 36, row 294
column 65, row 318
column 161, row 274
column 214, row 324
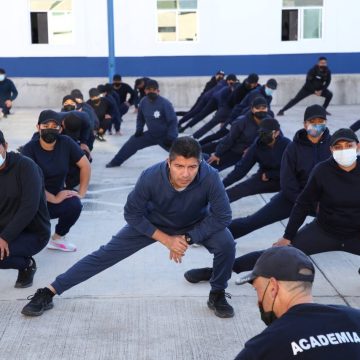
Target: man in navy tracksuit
column 159, row 116
column 177, row 202
column 216, row 101
column 265, row 91
column 310, row 146
column 267, row 150
column 317, row 82
column 8, row 94
column 229, row 150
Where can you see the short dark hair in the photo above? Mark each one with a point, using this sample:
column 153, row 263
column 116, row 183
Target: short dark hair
column 322, row 58
column 2, row 71
column 117, row 77
column 185, row 146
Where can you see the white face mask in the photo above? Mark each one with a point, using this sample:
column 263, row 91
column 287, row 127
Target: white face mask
column 345, row 157
column 2, row 77
column 2, row 159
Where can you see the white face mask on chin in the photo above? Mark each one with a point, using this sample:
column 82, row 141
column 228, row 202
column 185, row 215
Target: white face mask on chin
column 345, row 157
column 2, row 159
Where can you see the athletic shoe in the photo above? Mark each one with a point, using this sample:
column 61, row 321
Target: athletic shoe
column 217, row 302
column 196, row 275
column 111, row 165
column 61, row 244
column 280, row 113
column 39, row 302
column 26, row 276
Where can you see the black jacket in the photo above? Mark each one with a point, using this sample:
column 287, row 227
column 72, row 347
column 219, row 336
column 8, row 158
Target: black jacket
column 299, row 159
column 317, row 79
column 22, row 199
column 268, row 158
column 338, row 194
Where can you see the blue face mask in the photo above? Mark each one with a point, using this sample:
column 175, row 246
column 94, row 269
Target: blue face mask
column 268, row 91
column 316, row 130
column 2, row 77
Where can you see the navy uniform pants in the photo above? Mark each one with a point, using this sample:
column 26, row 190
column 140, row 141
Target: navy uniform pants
column 128, row 241
column 137, row 143
column 311, row 239
column 68, row 212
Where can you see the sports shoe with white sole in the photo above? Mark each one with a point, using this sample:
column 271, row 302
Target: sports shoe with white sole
column 62, row 244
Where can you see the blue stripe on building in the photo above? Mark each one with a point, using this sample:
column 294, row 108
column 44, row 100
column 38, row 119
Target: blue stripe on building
column 344, row 63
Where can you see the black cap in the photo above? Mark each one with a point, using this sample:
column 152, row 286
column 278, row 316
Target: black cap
column 117, row 77
column 77, row 94
column 343, row 134
column 314, row 111
column 259, row 101
column 2, row 138
column 68, row 97
column 231, row 77
column 49, row 115
column 272, row 84
column 220, row 72
column 269, row 124
column 283, row 263
column 252, row 78
column 93, row 92
column 152, row 84
column 101, row 88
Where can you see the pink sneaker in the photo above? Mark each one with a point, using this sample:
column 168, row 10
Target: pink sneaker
column 61, row 244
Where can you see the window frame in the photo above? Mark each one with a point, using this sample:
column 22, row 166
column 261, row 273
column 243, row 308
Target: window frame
column 301, row 18
column 50, row 25
column 177, row 12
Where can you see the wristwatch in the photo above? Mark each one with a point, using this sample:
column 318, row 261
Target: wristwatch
column 188, row 238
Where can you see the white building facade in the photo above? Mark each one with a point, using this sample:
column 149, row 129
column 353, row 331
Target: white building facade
column 178, row 38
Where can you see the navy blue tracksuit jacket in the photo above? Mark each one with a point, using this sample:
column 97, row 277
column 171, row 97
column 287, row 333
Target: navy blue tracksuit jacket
column 242, row 133
column 268, row 158
column 159, row 117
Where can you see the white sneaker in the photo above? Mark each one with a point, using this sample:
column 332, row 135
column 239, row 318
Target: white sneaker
column 1, row 114
column 61, row 244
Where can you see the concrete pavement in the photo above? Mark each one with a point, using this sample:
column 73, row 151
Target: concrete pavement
column 142, row 308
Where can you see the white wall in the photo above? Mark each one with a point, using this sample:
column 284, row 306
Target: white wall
column 226, row 27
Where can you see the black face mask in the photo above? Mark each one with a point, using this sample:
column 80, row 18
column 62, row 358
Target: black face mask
column 261, row 114
column 95, row 102
column 49, row 135
column 69, row 107
column 323, row 67
column 266, row 137
column 152, row 96
column 117, row 85
column 268, row 317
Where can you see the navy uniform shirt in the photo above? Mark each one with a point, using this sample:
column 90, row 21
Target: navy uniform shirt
column 54, row 164
column 308, row 332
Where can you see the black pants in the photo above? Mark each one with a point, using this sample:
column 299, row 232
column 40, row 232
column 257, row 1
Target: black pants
column 303, row 93
column 253, row 185
column 213, row 137
column 277, row 209
column 219, row 117
column 311, row 239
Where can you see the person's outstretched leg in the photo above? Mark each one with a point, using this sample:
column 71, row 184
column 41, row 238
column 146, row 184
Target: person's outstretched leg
column 131, row 147
column 328, row 96
column 302, row 94
column 125, row 243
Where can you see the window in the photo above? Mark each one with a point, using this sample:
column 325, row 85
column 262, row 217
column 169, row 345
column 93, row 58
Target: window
column 51, row 22
column 301, row 19
column 177, row 20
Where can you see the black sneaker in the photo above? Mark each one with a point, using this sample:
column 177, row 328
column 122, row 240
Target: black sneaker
column 111, row 165
column 280, row 113
column 26, row 276
column 217, row 301
column 196, row 275
column 39, row 302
